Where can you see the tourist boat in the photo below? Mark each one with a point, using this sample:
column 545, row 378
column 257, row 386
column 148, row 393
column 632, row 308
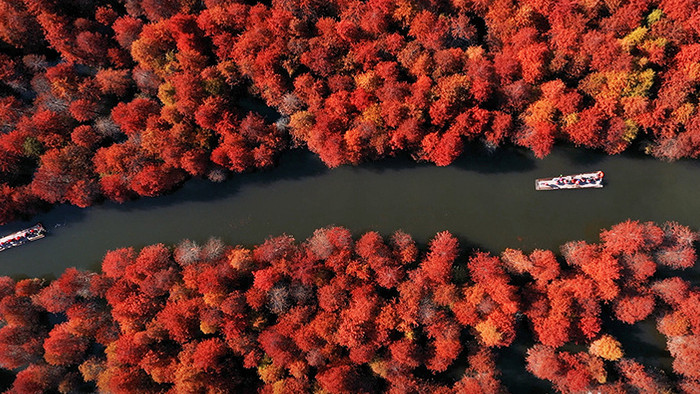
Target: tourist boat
column 23, row 236
column 578, row 181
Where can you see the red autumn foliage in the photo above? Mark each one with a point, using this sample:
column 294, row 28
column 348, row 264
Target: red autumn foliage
column 36, row 378
column 279, row 316
column 543, row 362
column 131, row 117
column 638, row 377
column 568, row 372
column 686, row 355
column 631, row 309
column 115, row 262
column 352, row 82
column 203, row 316
column 63, row 347
column 438, row 264
column 626, row 237
column 339, row 379
column 133, row 100
column 20, row 345
column 210, row 354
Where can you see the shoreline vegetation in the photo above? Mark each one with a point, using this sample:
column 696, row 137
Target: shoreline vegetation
column 339, row 314
column 118, row 100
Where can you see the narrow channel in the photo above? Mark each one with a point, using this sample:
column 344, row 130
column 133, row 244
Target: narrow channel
column 486, row 199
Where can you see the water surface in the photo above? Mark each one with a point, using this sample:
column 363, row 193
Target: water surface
column 485, row 199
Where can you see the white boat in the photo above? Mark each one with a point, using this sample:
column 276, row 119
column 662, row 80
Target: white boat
column 23, row 236
column 577, row 181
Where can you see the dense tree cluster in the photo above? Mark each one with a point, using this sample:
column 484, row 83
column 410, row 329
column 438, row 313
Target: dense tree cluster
column 340, row 315
column 366, row 79
column 116, row 100
column 127, row 98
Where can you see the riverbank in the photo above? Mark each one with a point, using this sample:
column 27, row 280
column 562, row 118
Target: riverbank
column 363, row 314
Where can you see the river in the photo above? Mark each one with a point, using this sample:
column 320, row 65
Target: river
column 485, row 199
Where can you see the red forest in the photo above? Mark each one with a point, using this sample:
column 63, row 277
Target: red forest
column 339, row 314
column 120, row 99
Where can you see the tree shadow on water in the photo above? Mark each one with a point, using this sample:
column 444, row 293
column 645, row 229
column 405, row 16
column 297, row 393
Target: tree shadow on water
column 292, row 165
column 468, row 247
column 258, row 106
column 398, row 162
column 7, row 377
column 475, row 157
column 50, row 217
column 642, row 342
column 506, row 159
column 580, row 156
column 510, row 361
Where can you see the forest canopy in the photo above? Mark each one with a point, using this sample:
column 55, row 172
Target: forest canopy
column 120, row 99
column 337, row 314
